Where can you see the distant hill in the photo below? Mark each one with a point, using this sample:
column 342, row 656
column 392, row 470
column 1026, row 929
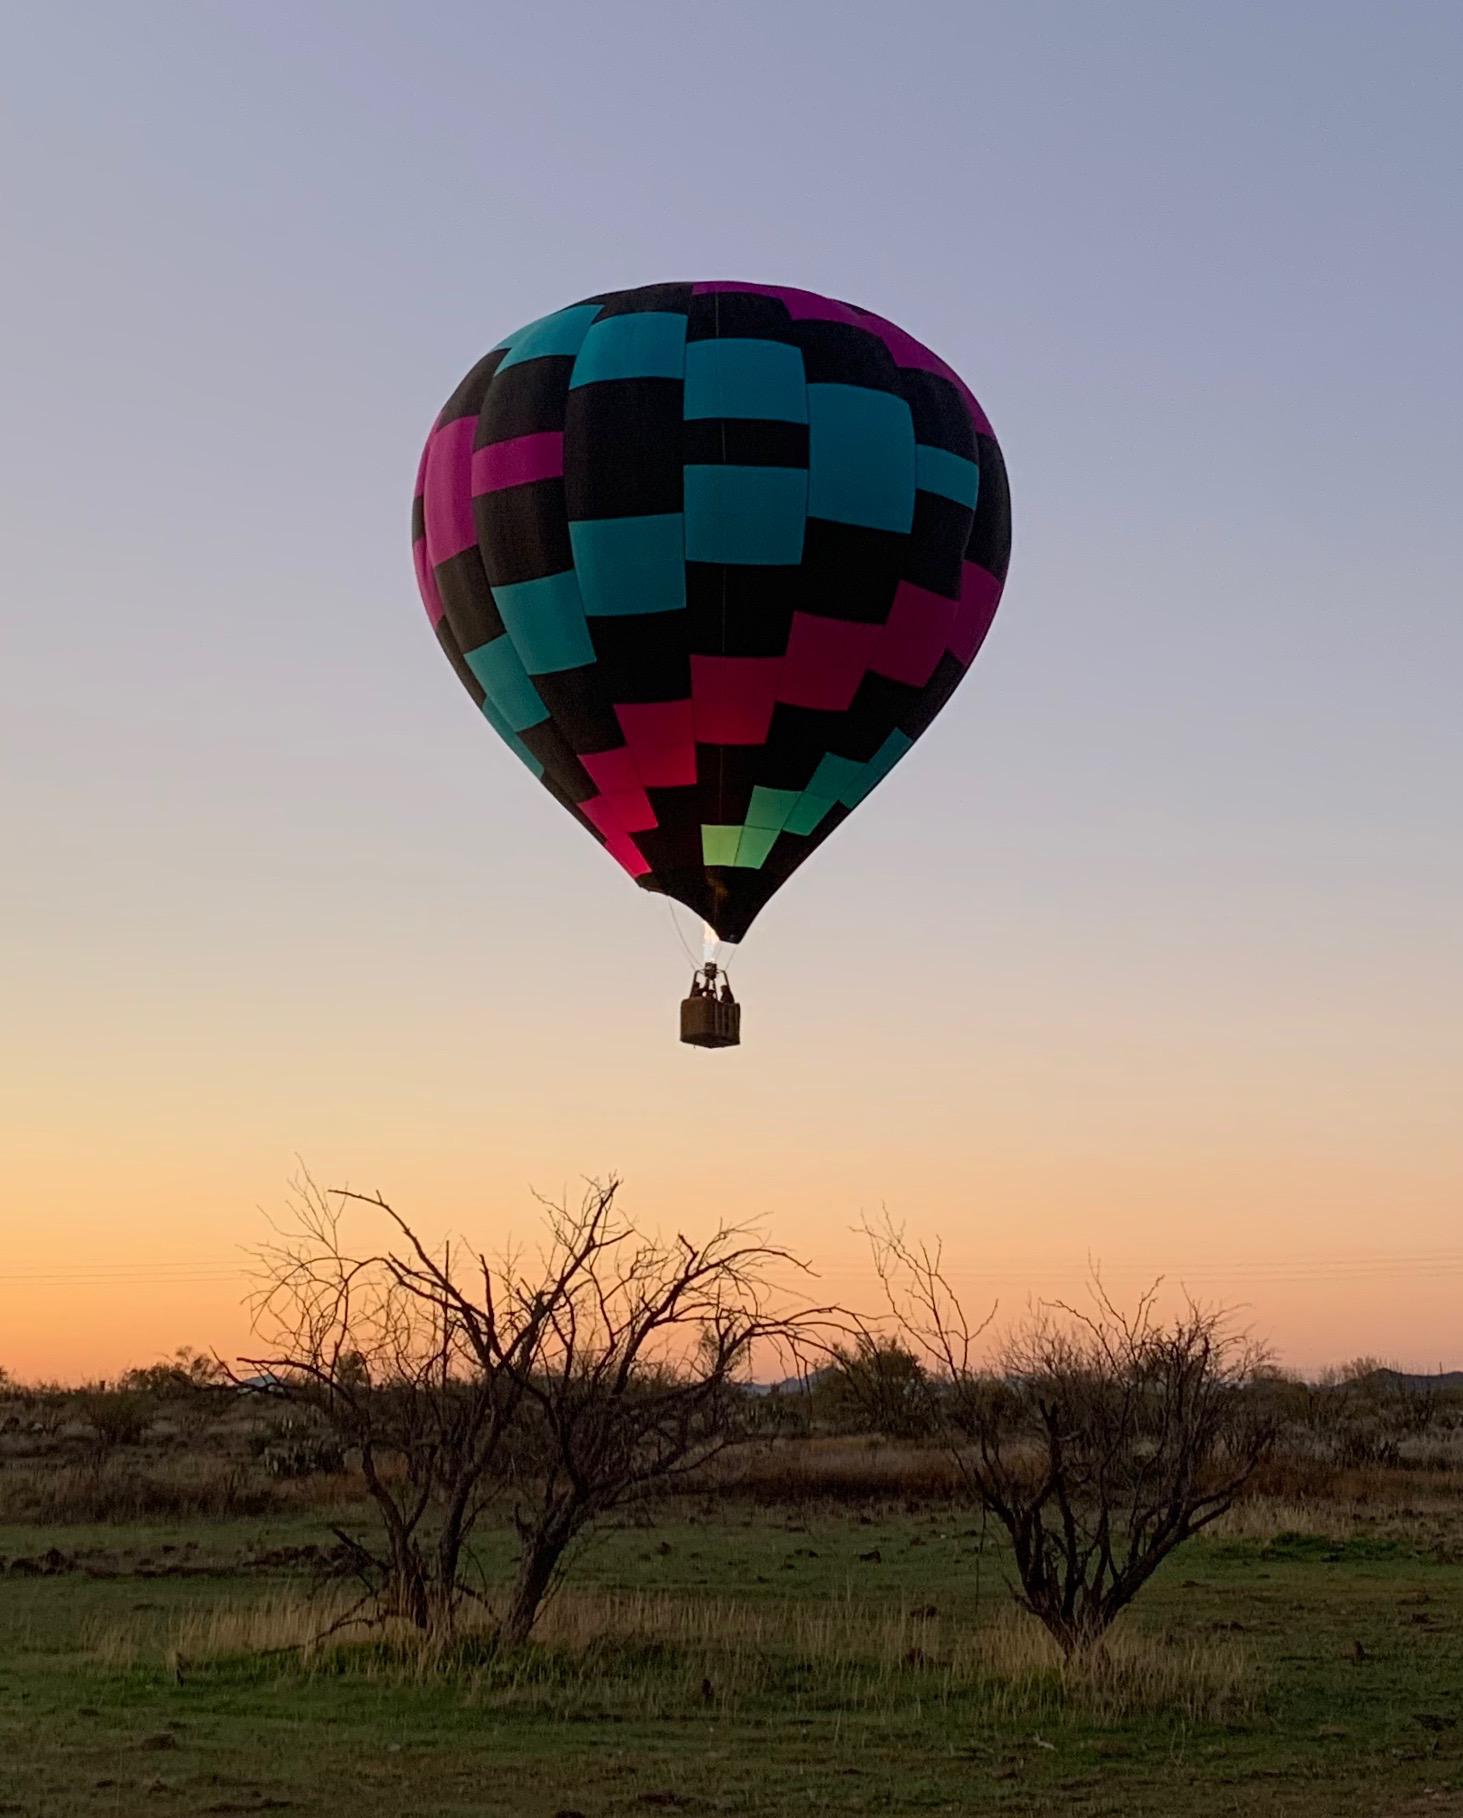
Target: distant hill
column 1448, row 1381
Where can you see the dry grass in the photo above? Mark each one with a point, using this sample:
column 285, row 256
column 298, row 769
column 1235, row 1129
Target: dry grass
column 116, row 1492
column 648, row 1653
column 833, row 1470
column 1267, row 1518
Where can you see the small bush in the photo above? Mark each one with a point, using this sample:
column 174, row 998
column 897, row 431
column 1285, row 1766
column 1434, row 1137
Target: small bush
column 117, row 1417
column 296, row 1447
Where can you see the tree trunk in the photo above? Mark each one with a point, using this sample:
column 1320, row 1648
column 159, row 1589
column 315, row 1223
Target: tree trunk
column 536, row 1570
column 407, row 1592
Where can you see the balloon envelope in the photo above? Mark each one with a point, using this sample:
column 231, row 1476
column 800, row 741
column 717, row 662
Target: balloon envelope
column 710, row 558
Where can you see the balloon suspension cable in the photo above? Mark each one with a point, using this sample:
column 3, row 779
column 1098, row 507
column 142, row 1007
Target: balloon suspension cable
column 670, row 905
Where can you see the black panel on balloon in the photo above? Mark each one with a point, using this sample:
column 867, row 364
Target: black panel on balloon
column 464, row 592
column 523, row 532
column 936, row 551
column 637, row 661
column 669, row 299
column 525, row 400
column 547, row 743
column 924, row 703
column 837, row 354
column 581, row 709
column 940, row 417
column 850, row 572
column 467, row 400
column 990, row 534
column 736, row 609
column 745, row 442
column 730, row 313
column 622, row 448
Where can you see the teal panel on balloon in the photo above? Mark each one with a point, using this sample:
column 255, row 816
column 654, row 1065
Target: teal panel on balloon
column 647, row 345
column 511, row 739
column 545, row 619
column 561, row 333
column 746, row 378
column 950, row 475
column 860, row 457
column 745, row 515
column 877, row 768
column 833, row 776
column 629, row 565
column 506, row 683
column 807, row 813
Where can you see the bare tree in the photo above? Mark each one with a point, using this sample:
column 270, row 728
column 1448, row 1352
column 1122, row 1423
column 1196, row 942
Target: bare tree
column 607, row 1364
column 640, row 1379
column 1099, row 1439
column 388, row 1352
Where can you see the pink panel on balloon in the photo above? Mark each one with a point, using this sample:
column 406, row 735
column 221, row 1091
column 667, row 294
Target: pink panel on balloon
column 427, row 583
column 666, row 766
column 517, row 462
column 626, row 811
column 825, row 662
column 732, row 698
column 447, row 491
column 980, row 594
column 656, row 722
column 611, row 770
column 625, row 852
column 661, row 742
column 915, row 636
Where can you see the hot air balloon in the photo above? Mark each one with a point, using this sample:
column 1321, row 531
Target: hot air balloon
column 709, row 558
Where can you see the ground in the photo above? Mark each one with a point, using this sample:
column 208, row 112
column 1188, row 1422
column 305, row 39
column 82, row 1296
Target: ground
column 728, row 1658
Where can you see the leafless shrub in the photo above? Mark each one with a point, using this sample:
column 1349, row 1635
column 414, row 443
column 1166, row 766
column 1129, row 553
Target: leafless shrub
column 1100, row 1440
column 607, row 1365
column 638, row 1382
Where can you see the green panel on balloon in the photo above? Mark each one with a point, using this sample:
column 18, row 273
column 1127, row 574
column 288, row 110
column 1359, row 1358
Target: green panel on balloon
column 719, row 845
column 771, row 807
column 754, row 845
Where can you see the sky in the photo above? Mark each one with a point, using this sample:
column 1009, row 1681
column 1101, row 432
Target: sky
column 1150, row 954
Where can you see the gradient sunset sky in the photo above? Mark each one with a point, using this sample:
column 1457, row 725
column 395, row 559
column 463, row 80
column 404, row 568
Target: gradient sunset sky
column 1151, row 953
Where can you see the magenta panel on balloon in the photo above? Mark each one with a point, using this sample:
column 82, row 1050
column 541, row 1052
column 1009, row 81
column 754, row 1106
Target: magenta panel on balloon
column 518, row 462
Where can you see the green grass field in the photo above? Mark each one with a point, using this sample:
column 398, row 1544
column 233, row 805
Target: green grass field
column 740, row 1660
